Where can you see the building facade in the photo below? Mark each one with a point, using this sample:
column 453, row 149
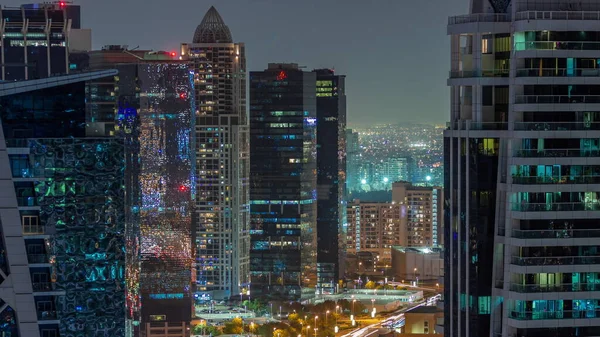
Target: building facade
column 521, row 170
column 222, row 219
column 63, row 214
column 39, row 40
column 331, row 178
column 374, row 228
column 424, row 213
column 283, row 192
column 150, row 105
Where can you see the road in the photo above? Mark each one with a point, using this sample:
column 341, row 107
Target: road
column 374, row 328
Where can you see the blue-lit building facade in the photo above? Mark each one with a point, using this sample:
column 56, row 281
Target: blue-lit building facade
column 283, row 178
column 331, row 178
column 522, row 171
column 153, row 99
column 67, row 261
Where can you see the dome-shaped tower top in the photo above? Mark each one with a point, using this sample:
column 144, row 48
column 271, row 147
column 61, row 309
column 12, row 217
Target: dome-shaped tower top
column 212, row 29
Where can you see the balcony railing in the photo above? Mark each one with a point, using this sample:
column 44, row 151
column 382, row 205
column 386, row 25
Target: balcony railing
column 551, row 288
column 480, row 17
column 467, row 125
column 558, row 72
column 27, row 201
column 556, row 99
column 556, row 126
column 556, row 234
column 37, row 258
column 565, row 314
column 535, row 153
column 566, row 179
column 557, row 45
column 556, row 15
column 43, row 286
column 480, row 73
column 552, row 261
column 556, row 207
column 33, row 229
column 47, row 315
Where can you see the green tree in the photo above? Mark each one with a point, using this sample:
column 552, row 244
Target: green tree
column 370, row 285
column 201, row 329
column 235, row 326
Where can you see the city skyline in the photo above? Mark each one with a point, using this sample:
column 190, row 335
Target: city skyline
column 366, row 37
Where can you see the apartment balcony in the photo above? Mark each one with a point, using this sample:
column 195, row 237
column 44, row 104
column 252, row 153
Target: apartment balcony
column 480, row 73
column 558, row 72
column 564, row 314
column 556, row 153
column 469, row 125
column 554, row 288
column 556, row 234
column 555, row 207
column 27, row 201
column 47, row 315
column 557, row 45
column 566, row 180
column 476, row 18
column 557, row 126
column 557, row 99
column 557, row 15
column 46, row 288
column 555, row 261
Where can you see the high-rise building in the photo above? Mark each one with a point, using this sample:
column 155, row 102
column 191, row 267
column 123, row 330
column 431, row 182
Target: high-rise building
column 62, row 263
column 331, row 177
column 150, row 104
column 374, row 228
column 352, row 161
column 522, row 153
column 222, row 233
column 283, row 177
column 424, row 213
column 39, row 40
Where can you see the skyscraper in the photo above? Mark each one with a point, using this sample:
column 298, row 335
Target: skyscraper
column 38, row 40
column 331, row 177
column 222, row 234
column 521, row 178
column 63, row 214
column 283, row 194
column 154, row 99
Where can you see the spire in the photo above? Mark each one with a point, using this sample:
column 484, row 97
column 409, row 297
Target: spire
column 212, row 29
column 500, row 6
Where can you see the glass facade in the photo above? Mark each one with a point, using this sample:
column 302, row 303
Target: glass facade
column 331, row 178
column 71, row 192
column 283, row 177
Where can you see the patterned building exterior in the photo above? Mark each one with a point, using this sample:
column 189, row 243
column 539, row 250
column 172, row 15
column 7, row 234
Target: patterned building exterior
column 66, row 263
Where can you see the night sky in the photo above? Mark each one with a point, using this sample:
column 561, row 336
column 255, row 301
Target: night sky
column 395, row 53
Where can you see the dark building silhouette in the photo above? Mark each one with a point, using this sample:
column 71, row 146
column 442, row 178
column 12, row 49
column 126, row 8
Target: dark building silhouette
column 331, row 177
column 283, row 177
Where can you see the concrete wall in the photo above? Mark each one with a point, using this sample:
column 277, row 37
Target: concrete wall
column 429, row 266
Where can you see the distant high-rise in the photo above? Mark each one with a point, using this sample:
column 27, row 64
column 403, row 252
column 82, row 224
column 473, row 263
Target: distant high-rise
column 62, row 263
column 352, row 161
column 522, row 170
column 283, row 177
column 424, row 213
column 331, row 177
column 38, row 40
column 222, row 233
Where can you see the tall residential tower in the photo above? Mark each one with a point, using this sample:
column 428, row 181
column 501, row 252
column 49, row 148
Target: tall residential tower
column 222, row 211
column 522, row 180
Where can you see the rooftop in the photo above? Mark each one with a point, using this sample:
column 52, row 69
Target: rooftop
column 212, row 29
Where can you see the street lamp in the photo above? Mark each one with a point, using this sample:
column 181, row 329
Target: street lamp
column 326, row 314
column 373, row 303
column 307, row 330
column 353, row 307
column 241, row 294
column 279, row 311
column 271, row 310
column 416, row 279
column 316, row 317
